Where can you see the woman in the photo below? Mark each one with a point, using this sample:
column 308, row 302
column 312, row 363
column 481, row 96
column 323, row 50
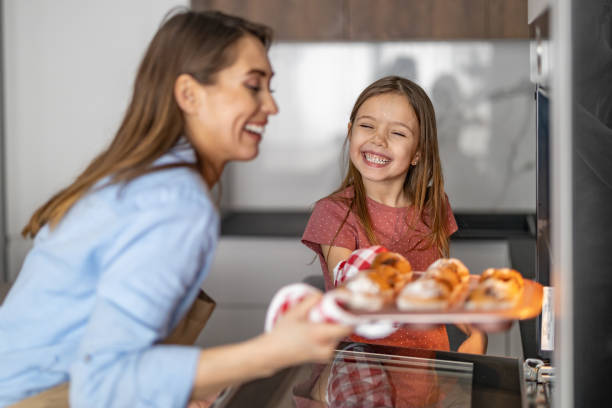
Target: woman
column 119, row 255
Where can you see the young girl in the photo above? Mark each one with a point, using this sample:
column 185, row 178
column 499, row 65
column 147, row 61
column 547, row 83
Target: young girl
column 120, row 254
column 392, row 195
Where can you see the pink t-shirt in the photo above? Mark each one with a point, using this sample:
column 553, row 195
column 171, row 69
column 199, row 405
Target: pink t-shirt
column 391, row 227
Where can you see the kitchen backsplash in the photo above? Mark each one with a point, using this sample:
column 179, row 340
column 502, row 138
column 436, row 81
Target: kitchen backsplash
column 484, row 107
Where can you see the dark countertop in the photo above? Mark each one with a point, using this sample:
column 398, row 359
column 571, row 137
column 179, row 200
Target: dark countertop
column 291, row 224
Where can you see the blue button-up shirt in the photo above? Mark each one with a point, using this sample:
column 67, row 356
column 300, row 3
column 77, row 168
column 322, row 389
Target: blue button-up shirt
column 99, row 291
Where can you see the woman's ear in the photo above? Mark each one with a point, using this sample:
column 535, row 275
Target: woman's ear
column 416, row 158
column 185, row 93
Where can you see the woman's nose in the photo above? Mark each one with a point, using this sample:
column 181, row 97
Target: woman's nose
column 269, row 105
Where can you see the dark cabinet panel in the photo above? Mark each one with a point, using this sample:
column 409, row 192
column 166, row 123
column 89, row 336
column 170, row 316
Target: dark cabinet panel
column 459, row 19
column 389, row 20
column 292, row 20
column 381, row 20
column 507, row 19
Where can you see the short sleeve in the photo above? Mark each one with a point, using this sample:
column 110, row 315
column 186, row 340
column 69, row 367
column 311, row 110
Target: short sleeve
column 451, row 223
column 327, row 226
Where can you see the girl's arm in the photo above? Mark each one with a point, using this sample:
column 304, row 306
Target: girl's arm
column 476, row 343
column 334, row 255
column 293, row 341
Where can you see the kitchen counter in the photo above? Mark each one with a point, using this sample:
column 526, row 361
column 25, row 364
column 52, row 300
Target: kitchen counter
column 292, row 223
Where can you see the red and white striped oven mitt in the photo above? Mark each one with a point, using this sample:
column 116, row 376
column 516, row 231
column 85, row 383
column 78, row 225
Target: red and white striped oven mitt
column 359, row 260
column 329, row 309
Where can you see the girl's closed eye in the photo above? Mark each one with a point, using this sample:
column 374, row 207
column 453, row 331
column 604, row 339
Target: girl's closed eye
column 399, row 134
column 366, row 125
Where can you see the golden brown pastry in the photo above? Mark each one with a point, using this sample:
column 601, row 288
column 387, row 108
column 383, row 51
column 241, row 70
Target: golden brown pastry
column 444, row 276
column 378, row 286
column 454, row 265
column 394, row 260
column 392, row 270
column 498, row 288
column 437, row 288
column 426, row 293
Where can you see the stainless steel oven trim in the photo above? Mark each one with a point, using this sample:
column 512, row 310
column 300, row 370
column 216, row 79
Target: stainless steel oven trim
column 561, row 200
column 4, row 272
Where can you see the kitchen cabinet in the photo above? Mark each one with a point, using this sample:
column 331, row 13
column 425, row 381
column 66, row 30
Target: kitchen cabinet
column 382, row 20
column 292, row 20
column 507, row 19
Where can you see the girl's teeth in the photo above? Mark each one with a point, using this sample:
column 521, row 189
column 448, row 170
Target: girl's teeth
column 375, row 159
column 255, row 129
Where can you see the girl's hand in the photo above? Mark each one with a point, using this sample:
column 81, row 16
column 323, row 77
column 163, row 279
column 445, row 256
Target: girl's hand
column 294, row 339
column 476, row 343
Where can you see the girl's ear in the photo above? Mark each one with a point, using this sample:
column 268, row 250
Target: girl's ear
column 350, row 125
column 416, row 158
column 185, row 93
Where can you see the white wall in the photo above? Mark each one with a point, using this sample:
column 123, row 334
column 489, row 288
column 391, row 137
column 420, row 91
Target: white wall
column 69, row 67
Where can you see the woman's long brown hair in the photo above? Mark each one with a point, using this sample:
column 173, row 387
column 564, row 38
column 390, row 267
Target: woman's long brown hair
column 188, row 42
column 424, row 182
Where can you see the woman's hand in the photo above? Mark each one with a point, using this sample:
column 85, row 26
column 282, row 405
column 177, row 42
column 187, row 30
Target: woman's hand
column 297, row 340
column 202, row 403
column 294, row 340
column 476, row 343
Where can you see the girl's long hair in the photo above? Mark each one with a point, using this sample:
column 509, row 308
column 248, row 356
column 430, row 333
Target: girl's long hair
column 424, row 182
column 196, row 43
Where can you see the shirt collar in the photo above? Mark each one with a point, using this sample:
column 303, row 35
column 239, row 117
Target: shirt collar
column 182, row 151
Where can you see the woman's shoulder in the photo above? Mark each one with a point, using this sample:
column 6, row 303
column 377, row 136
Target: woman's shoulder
column 166, row 187
column 166, row 194
column 172, row 179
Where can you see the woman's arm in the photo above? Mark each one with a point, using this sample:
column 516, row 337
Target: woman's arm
column 334, row 255
column 294, row 340
column 152, row 264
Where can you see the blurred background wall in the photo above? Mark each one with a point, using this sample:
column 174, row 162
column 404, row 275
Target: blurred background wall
column 68, row 72
column 484, row 107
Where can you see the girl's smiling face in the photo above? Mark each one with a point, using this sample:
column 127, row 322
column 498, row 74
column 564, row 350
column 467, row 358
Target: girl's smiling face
column 384, row 139
column 230, row 116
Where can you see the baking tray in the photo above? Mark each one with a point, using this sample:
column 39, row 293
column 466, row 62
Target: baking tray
column 528, row 306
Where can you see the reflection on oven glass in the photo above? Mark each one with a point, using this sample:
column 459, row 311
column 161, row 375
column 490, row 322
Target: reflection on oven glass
column 358, row 377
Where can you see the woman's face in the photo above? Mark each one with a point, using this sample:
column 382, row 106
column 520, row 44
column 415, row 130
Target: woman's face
column 384, row 139
column 231, row 114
